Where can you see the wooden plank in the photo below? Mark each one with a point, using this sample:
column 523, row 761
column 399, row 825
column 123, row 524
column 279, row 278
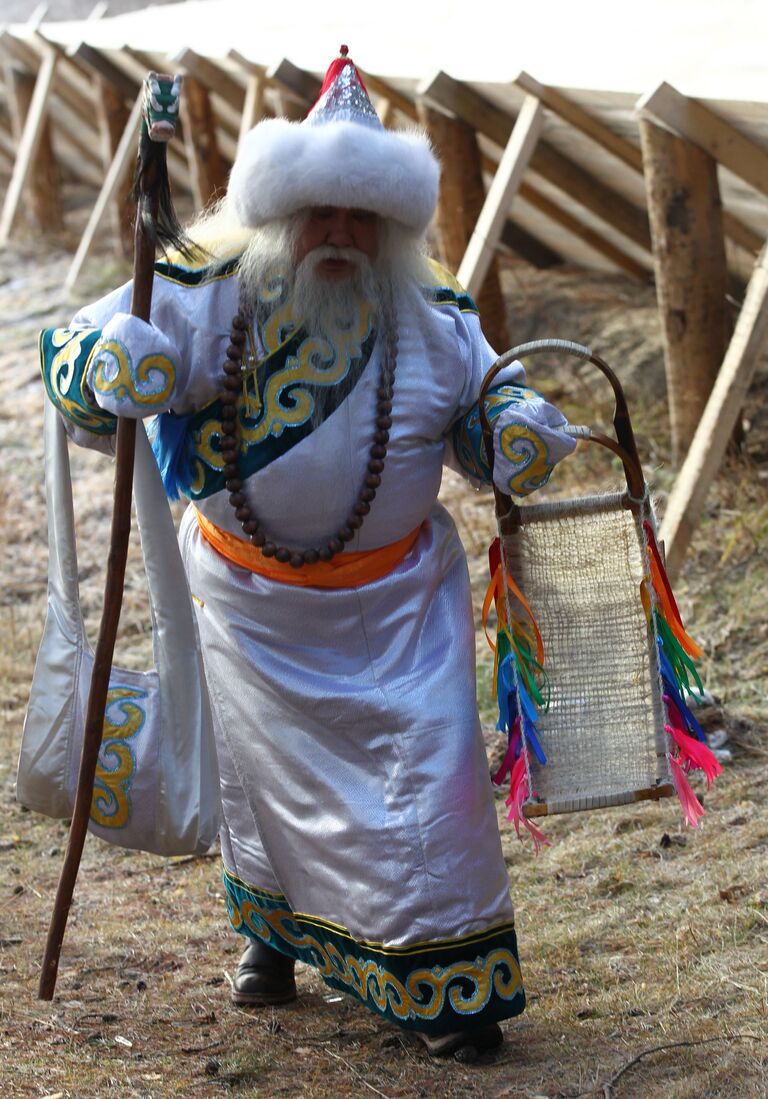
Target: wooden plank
column 71, row 84
column 43, row 189
column 385, row 110
column 97, row 62
column 585, row 188
column 7, row 144
column 226, row 117
column 718, row 419
column 211, row 76
column 206, row 165
column 628, row 153
column 34, row 127
column 253, row 107
column 702, row 126
column 506, row 182
column 595, row 241
column 587, row 123
column 252, row 68
column 741, row 234
column 462, row 194
column 691, row 272
column 525, row 244
column 403, row 103
column 136, row 66
column 124, row 156
column 302, row 85
column 70, row 96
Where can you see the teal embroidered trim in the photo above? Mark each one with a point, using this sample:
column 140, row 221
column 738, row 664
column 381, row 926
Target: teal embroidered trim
column 437, row 986
column 64, row 358
column 281, row 390
column 196, row 276
column 468, row 434
column 442, row 295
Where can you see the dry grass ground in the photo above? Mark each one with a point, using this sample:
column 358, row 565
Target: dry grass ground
column 644, row 947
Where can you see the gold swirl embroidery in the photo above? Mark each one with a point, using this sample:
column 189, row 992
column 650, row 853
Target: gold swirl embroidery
column 316, row 362
column 148, row 384
column 527, row 450
column 63, row 373
column 274, row 293
column 443, row 277
column 425, row 990
column 123, row 718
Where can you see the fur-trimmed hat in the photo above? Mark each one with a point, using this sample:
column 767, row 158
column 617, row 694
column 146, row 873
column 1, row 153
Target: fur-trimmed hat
column 340, row 155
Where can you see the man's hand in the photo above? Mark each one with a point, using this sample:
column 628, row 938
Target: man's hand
column 528, row 441
column 132, row 369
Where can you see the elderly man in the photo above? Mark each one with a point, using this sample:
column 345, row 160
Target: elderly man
column 311, row 377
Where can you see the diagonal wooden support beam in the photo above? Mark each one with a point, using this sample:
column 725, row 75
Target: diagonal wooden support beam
column 587, row 123
column 42, row 196
column 509, row 174
column 212, row 76
column 593, row 240
column 585, row 188
column 30, row 142
column 718, row 419
column 254, row 106
column 68, row 107
column 126, row 149
column 93, row 61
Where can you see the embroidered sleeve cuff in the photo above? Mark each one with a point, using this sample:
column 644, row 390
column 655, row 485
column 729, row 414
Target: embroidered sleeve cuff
column 528, row 444
column 132, row 369
column 467, row 435
column 64, row 358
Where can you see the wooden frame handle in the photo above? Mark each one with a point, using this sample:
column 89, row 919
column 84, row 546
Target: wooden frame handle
column 624, row 446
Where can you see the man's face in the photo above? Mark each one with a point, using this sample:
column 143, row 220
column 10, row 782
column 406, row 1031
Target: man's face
column 338, row 227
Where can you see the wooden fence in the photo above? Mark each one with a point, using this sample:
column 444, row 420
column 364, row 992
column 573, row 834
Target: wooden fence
column 665, row 187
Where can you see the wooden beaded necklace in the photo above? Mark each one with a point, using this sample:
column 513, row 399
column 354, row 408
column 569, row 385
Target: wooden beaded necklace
column 230, row 445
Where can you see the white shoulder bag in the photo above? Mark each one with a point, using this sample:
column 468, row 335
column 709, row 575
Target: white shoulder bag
column 157, row 780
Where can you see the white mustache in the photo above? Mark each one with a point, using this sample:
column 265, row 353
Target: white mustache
column 330, row 251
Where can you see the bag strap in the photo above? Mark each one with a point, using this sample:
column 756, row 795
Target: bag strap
column 62, row 545
column 174, row 627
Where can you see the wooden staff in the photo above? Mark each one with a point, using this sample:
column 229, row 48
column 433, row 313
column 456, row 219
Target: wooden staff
column 156, row 224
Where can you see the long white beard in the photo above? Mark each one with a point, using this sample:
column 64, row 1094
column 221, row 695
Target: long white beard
column 324, row 306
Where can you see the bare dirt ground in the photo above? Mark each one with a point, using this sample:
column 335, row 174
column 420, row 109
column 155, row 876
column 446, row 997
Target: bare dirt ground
column 644, row 946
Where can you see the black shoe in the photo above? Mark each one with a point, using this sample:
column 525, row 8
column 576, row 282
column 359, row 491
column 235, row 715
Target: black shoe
column 464, row 1045
column 263, row 976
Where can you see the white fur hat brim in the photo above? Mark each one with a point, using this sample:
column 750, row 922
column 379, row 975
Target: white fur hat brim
column 286, row 166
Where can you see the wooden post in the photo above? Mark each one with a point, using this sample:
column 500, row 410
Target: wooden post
column 32, row 134
column 206, row 165
column 462, row 194
column 691, row 274
column 718, row 419
column 112, row 115
column 509, row 174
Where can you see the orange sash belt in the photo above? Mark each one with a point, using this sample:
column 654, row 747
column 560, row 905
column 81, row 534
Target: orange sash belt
column 346, row 570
